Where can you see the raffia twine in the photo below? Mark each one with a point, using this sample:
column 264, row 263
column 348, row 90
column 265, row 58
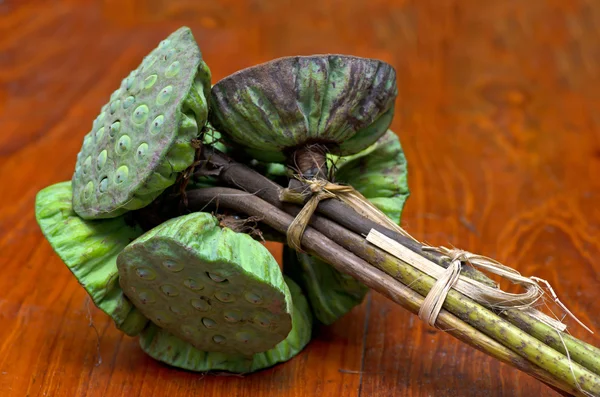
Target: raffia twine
column 446, row 279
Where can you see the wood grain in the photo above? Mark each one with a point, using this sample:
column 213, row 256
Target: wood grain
column 498, row 113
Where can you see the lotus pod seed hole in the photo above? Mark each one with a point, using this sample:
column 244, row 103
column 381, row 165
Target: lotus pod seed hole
column 262, row 320
column 121, row 174
column 163, row 318
column 114, row 106
column 157, row 123
column 180, row 311
column 87, row 164
column 243, row 336
column 193, row 284
column 150, row 80
column 219, row 339
column 173, row 266
column 232, row 316
column 88, row 190
column 188, row 330
column 145, row 274
column 141, row 151
column 253, row 298
column 209, row 322
column 169, row 290
column 128, row 102
column 114, row 129
column 101, row 160
column 164, row 95
column 146, row 296
column 103, row 185
column 216, row 277
column 123, row 145
column 200, row 305
column 140, row 114
column 173, row 69
column 99, row 134
column 224, row 297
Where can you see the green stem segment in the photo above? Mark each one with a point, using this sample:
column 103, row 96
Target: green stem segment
column 579, row 351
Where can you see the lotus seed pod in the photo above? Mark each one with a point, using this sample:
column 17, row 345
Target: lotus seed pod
column 379, row 173
column 212, row 287
column 165, row 347
column 142, row 138
column 90, row 249
column 344, row 103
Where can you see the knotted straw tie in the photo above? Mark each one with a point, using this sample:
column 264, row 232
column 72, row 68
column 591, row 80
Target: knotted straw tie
column 448, row 278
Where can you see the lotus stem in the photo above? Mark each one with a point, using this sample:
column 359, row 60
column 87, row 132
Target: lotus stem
column 321, row 246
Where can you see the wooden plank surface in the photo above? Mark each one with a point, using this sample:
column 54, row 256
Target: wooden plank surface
column 499, row 115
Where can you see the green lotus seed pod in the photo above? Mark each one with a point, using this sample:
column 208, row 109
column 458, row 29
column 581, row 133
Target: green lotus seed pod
column 343, row 102
column 90, row 249
column 164, row 346
column 379, row 173
column 212, row 287
column 142, row 138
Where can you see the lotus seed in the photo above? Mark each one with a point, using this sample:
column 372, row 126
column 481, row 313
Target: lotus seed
column 99, row 134
column 103, row 185
column 193, row 284
column 262, row 320
column 145, row 273
column 123, row 145
column 219, row 339
column 225, row 297
column 148, row 62
column 157, row 124
column 101, row 159
column 115, row 94
column 122, row 174
column 164, row 96
column 87, row 164
column 188, row 329
column 114, row 128
column 169, row 54
column 253, row 298
column 150, row 80
column 128, row 102
column 200, row 304
column 162, row 317
column 141, row 151
column 163, row 43
column 173, row 69
column 243, row 336
column 173, row 266
column 140, row 114
column 129, row 81
column 169, row 290
column 88, row 191
column 232, row 316
column 114, row 106
column 146, row 296
column 209, row 322
column 178, row 310
column 216, row 277
column 100, row 118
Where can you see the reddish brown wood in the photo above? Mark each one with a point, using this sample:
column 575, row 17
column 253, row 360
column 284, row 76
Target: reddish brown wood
column 498, row 113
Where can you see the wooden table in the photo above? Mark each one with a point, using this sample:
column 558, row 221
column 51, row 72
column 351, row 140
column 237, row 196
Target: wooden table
column 499, row 115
